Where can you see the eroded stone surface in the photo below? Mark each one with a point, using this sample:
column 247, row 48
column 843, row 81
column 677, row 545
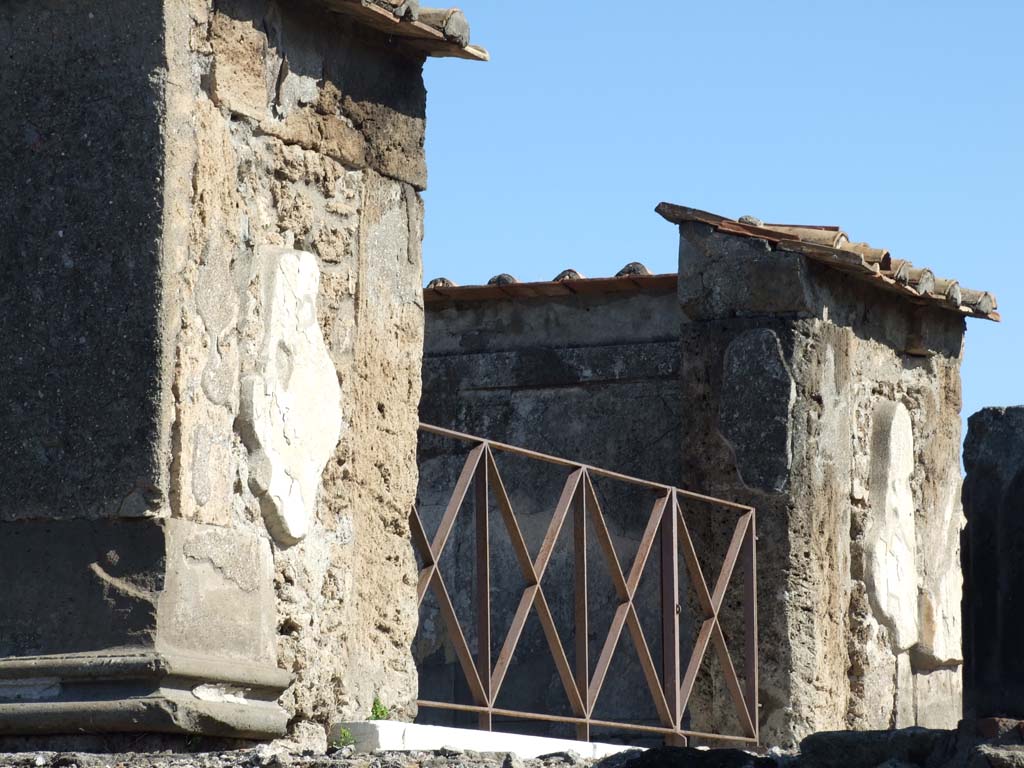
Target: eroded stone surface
column 865, row 601
column 297, row 131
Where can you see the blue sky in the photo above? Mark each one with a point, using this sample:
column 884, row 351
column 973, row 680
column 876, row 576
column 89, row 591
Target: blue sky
column 901, row 121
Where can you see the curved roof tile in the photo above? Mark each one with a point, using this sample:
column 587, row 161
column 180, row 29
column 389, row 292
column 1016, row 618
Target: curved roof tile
column 436, row 32
column 832, row 247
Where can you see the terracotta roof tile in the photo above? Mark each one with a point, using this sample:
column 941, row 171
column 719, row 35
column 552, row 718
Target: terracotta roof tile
column 832, row 247
column 436, row 293
column 438, row 32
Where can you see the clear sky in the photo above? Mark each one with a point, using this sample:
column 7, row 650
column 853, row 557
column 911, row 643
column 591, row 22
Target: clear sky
column 900, row 120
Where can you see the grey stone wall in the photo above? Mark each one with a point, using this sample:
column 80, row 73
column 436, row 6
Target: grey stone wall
column 176, row 164
column 801, row 400
column 831, row 407
column 994, row 505
column 594, row 379
column 80, row 212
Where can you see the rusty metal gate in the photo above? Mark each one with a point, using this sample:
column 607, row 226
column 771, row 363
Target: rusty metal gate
column 670, row 684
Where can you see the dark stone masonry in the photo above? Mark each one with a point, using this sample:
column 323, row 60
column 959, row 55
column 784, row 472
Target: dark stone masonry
column 993, row 564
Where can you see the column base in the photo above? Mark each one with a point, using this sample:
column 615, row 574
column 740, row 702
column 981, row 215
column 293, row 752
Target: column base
column 143, row 692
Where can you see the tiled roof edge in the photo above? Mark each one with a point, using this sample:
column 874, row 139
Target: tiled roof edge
column 861, row 261
column 552, row 289
column 437, row 32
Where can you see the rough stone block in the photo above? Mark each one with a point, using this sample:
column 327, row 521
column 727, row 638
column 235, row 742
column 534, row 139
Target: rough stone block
column 755, row 411
column 869, row 749
column 722, row 276
column 853, row 469
column 202, row 139
column 938, row 698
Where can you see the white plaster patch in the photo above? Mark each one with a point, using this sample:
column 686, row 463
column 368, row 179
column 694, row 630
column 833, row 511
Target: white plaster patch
column 30, row 689
column 290, row 411
column 891, row 570
column 221, row 693
column 941, row 594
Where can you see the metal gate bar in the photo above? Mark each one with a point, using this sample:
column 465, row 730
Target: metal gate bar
column 671, row 687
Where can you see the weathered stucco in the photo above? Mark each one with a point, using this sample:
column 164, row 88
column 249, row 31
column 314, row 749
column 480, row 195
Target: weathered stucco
column 306, row 134
column 858, row 527
column 225, row 205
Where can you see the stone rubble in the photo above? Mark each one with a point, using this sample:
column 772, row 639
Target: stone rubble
column 266, row 756
column 991, row 743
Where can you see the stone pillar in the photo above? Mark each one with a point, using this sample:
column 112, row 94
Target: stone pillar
column 801, row 398
column 993, row 568
column 210, row 334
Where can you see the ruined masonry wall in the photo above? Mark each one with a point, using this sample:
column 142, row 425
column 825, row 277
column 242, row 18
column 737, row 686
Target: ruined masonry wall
column 849, row 449
column 591, row 378
column 289, row 130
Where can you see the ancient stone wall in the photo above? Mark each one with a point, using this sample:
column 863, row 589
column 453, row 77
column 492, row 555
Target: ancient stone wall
column 80, row 209
column 590, row 378
column 993, row 577
column 804, row 401
column 831, row 407
column 212, row 320
column 295, row 130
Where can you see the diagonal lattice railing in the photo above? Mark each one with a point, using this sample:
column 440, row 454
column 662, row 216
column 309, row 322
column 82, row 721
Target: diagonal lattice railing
column 671, row 686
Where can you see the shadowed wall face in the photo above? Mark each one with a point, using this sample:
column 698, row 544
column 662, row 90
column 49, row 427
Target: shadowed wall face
column 80, row 228
column 592, row 379
column 993, row 572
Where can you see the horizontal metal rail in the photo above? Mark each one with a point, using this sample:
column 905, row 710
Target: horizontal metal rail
column 596, row 471
column 671, row 686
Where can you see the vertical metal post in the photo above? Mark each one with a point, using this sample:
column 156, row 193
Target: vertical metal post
column 483, row 584
column 749, row 556
column 582, row 630
column 670, row 613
